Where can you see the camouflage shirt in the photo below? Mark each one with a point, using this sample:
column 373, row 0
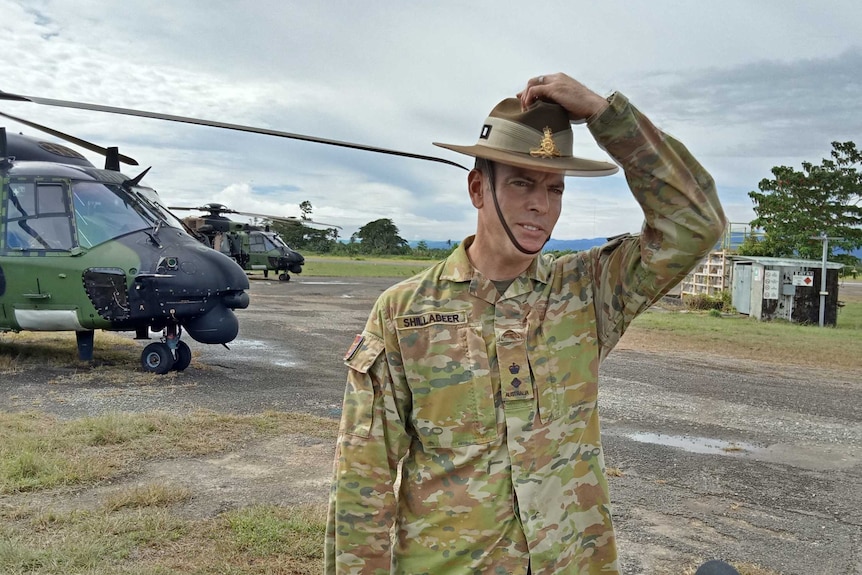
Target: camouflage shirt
column 469, row 440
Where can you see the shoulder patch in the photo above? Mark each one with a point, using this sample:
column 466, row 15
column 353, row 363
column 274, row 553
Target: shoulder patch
column 357, row 341
column 363, row 352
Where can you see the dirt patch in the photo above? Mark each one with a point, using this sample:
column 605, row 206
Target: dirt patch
column 288, row 470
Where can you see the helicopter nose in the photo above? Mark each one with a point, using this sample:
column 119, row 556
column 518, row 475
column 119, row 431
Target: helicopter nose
column 188, row 283
column 229, row 276
column 219, row 324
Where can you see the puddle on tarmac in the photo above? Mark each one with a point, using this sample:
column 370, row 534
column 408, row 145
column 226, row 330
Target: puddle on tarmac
column 805, row 456
column 332, row 283
column 256, row 350
column 248, row 344
column 695, row 444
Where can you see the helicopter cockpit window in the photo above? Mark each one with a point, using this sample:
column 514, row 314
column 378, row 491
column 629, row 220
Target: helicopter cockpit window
column 151, row 198
column 104, row 212
column 38, row 217
column 256, row 243
column 276, row 240
column 260, row 242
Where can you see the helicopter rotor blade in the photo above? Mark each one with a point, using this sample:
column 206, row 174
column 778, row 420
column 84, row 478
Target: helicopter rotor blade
column 224, row 125
column 292, row 220
column 69, row 138
column 321, row 224
column 218, row 210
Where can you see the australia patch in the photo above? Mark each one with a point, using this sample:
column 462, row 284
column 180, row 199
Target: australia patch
column 357, row 341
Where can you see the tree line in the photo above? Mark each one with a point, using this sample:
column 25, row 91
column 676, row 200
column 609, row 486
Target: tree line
column 795, row 208
column 379, row 237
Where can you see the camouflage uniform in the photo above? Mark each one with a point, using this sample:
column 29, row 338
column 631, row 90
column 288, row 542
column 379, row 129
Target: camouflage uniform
column 489, row 400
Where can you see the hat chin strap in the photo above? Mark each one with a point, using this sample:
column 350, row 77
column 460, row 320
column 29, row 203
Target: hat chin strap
column 508, row 231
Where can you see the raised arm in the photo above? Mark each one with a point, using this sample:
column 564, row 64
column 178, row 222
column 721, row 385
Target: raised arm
column 683, row 218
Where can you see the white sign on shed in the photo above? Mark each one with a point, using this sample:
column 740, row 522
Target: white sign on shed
column 803, row 279
column 771, row 281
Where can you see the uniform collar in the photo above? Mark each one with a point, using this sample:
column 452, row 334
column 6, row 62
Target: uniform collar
column 457, row 268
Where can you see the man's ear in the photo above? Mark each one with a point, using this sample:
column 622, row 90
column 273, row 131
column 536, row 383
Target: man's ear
column 476, row 188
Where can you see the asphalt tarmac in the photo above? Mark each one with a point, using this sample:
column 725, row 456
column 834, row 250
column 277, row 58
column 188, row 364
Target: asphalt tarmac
column 717, row 458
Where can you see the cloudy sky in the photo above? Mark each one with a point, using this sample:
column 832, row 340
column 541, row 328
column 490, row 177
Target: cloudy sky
column 745, row 85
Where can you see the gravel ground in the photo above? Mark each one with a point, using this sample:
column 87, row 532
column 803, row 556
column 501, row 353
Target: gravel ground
column 741, row 460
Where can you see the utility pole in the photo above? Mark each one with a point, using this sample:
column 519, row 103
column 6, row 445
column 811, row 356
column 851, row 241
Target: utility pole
column 823, row 293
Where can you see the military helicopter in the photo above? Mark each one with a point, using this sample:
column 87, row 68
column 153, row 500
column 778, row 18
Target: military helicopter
column 83, row 248
column 254, row 247
column 64, row 221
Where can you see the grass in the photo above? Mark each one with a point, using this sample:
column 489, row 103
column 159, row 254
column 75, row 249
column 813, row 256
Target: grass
column 97, row 542
column 362, row 266
column 739, row 337
column 38, row 451
column 264, row 531
column 264, row 539
column 743, row 568
column 116, row 358
column 19, row 351
column 141, row 529
column 149, row 495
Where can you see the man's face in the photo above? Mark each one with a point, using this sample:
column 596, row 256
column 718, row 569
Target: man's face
column 530, row 201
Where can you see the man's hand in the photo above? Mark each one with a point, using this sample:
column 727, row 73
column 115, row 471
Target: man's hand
column 577, row 99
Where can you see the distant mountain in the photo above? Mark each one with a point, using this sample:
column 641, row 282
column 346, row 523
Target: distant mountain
column 552, row 245
column 586, row 243
column 573, row 245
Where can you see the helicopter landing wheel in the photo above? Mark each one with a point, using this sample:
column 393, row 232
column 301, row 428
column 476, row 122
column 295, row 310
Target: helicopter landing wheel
column 184, row 356
column 157, row 358
column 284, row 277
column 266, row 273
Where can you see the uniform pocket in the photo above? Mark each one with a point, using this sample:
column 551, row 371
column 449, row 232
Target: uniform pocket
column 448, row 372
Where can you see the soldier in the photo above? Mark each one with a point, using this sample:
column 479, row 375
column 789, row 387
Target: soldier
column 469, row 441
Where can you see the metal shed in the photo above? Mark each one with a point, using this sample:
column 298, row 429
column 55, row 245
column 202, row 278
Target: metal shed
column 784, row 288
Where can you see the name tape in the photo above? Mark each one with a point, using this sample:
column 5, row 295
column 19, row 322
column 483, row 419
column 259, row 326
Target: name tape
column 432, row 318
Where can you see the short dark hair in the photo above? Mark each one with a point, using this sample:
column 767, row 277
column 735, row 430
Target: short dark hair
column 484, row 165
